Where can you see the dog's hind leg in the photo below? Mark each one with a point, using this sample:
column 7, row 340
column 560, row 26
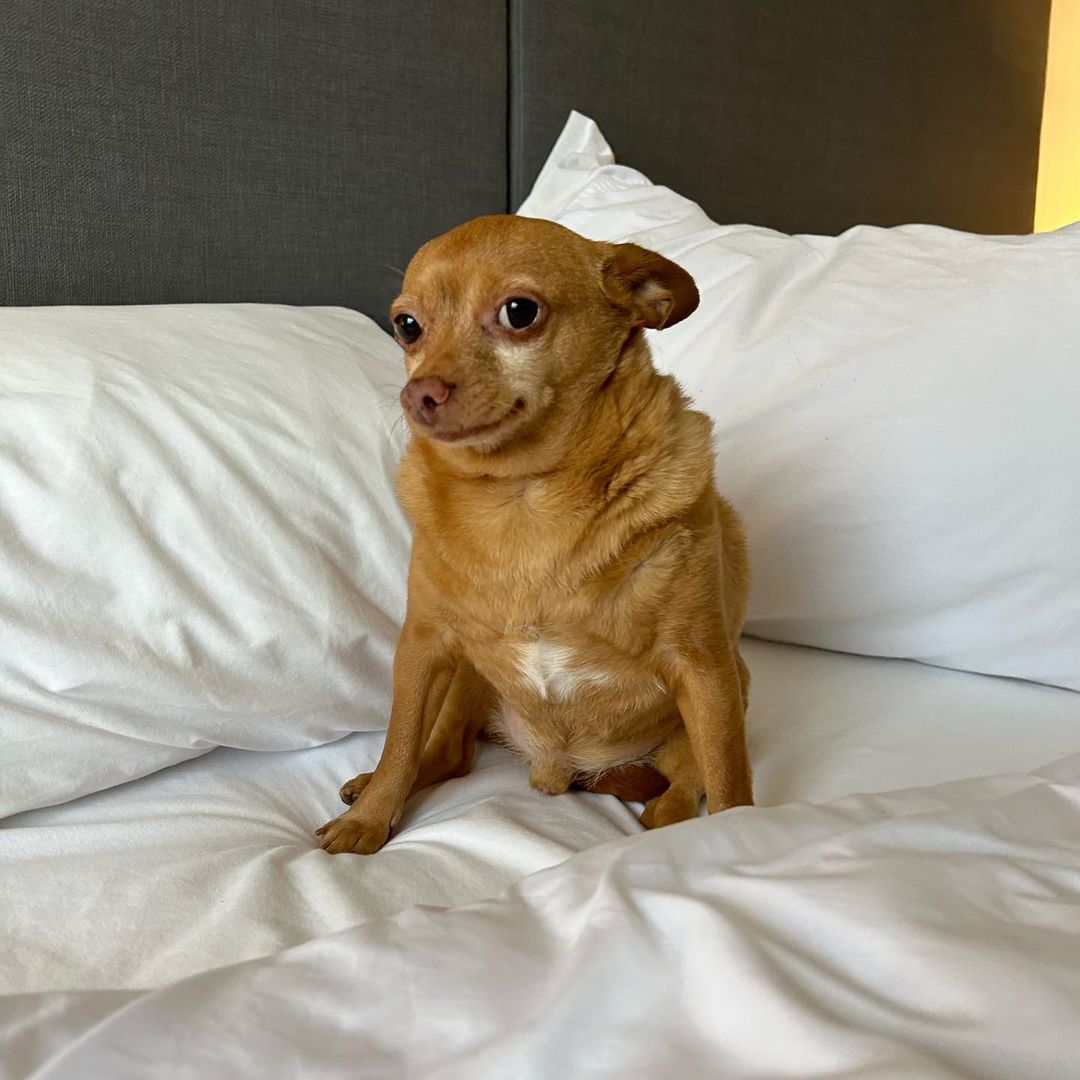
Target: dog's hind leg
column 675, row 760
column 451, row 746
column 636, row 781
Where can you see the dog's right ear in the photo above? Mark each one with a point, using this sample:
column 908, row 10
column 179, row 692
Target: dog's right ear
column 656, row 291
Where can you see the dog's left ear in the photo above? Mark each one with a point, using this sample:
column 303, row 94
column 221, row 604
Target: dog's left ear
column 657, row 291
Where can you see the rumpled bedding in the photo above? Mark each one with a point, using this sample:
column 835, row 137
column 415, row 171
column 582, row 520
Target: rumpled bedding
column 186, row 925
column 213, row 861
column 929, row 932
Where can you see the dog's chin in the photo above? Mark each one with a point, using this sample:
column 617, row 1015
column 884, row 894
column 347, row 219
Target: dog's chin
column 484, row 436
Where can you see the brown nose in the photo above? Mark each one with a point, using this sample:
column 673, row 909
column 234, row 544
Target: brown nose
column 422, row 398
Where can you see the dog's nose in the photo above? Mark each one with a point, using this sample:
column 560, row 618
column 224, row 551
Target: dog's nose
column 422, row 398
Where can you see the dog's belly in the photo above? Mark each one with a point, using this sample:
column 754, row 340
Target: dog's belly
column 537, row 668
column 581, row 708
column 584, row 752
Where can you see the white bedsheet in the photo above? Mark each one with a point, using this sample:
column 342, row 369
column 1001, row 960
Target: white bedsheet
column 928, row 933
column 212, row 861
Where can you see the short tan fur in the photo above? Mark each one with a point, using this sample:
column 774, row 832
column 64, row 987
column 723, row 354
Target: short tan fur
column 577, row 587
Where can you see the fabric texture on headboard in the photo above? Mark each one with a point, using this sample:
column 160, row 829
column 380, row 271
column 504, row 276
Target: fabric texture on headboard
column 802, row 115
column 299, row 151
column 268, row 150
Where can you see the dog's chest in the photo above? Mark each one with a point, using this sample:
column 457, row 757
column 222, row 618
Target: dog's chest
column 560, row 670
column 554, row 670
column 546, row 646
column 552, row 603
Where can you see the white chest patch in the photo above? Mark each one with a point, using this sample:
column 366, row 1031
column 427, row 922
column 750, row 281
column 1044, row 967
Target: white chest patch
column 550, row 670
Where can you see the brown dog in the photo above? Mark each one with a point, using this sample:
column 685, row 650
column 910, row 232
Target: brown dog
column 576, row 586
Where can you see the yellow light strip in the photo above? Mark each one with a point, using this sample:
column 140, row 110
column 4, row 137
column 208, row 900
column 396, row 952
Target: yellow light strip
column 1057, row 195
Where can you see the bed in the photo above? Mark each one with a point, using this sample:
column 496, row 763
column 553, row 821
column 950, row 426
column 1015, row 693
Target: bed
column 202, row 562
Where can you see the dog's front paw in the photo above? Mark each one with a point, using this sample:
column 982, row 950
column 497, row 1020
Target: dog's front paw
column 351, row 789
column 350, row 832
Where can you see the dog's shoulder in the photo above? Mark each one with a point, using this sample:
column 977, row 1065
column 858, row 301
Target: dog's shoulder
column 662, row 462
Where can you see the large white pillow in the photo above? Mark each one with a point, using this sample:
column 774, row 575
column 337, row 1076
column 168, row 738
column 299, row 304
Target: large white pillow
column 199, row 541
column 897, row 416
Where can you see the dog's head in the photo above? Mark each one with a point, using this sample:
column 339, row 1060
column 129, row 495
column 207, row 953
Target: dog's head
column 505, row 320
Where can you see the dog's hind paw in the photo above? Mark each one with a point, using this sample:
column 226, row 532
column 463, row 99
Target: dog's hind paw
column 351, row 789
column 676, row 804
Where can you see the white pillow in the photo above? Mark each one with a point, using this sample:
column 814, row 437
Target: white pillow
column 199, row 540
column 897, row 416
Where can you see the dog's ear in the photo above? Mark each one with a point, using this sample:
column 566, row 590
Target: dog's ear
column 656, row 291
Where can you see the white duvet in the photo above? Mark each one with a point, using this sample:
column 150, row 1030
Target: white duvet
column 185, row 924
column 213, row 861
column 926, row 933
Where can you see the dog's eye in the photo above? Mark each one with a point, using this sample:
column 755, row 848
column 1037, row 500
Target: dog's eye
column 406, row 328
column 518, row 312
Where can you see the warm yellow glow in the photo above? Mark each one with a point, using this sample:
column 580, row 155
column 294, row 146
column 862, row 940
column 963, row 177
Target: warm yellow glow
column 1057, row 197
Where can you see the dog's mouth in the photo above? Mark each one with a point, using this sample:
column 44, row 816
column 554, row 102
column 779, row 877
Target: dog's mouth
column 477, row 431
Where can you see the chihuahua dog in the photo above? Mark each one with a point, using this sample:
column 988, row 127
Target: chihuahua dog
column 577, row 587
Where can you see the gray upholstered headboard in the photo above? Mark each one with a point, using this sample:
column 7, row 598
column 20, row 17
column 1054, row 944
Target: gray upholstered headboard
column 298, row 151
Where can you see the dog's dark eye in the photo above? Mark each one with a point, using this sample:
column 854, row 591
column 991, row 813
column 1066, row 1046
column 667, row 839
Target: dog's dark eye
column 518, row 312
column 406, row 328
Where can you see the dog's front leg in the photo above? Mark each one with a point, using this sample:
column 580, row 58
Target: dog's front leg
column 419, row 660
column 710, row 698
column 437, row 693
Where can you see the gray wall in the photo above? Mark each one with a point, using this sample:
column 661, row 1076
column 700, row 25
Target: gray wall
column 300, row 150
column 803, row 115
column 263, row 150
